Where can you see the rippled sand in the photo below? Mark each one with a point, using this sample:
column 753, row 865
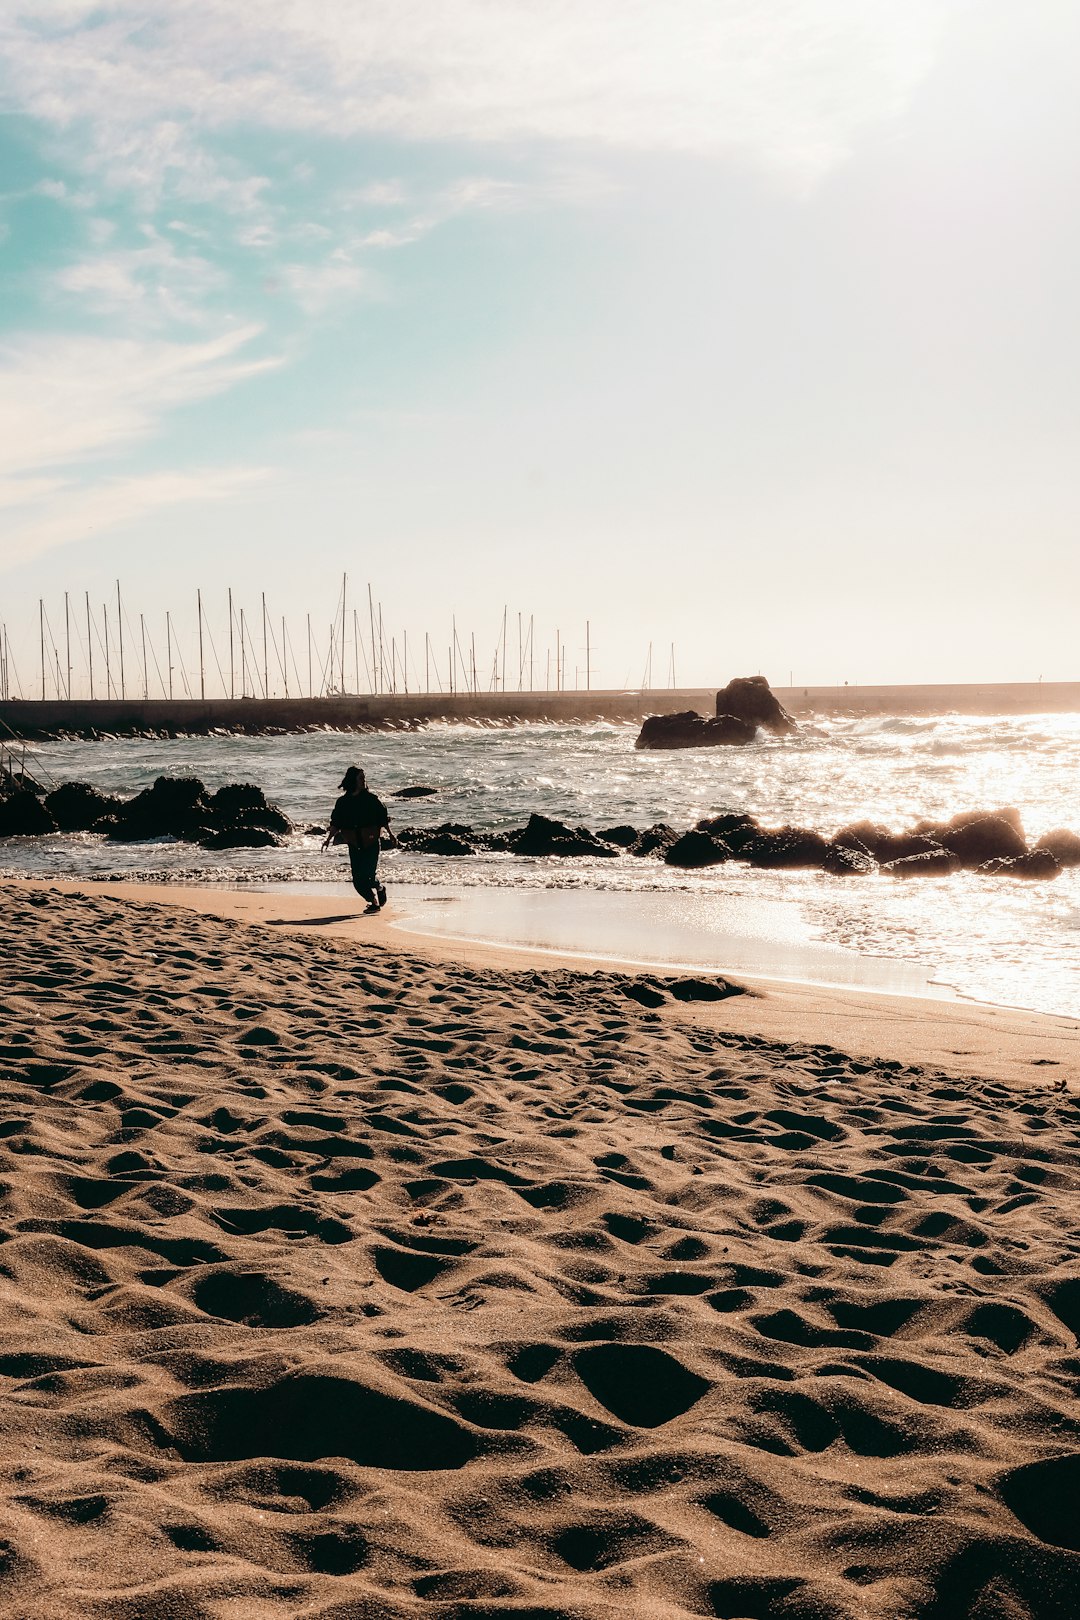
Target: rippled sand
column 353, row 1283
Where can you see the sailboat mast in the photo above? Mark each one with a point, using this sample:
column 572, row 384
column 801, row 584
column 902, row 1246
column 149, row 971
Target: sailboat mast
column 120, row 634
column 89, row 647
column 344, row 586
column 202, row 671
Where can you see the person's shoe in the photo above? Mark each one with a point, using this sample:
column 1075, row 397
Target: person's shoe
column 372, row 910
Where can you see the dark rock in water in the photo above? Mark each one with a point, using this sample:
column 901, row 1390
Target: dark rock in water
column 416, row 792
column 967, row 817
column 175, row 807
column 788, row 846
column 24, row 815
column 987, row 839
column 929, row 863
column 78, row 807
column 243, row 805
column 870, row 838
column 542, row 836
column 19, row 782
column 697, row 849
column 1033, row 863
column 691, row 730
column 442, row 843
column 750, row 698
column 315, row 832
column 840, row 860
column 735, row 829
column 654, row 840
column 623, row 836
column 1062, row 844
column 236, row 816
column 240, row 838
column 418, row 837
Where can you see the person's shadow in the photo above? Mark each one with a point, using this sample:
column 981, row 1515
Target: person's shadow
column 310, row 922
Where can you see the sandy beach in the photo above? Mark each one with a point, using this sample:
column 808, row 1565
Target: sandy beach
column 350, row 1273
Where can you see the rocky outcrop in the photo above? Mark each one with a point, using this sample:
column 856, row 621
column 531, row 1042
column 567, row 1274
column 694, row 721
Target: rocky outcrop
column 655, row 840
column 452, row 838
column 977, row 839
column 417, row 791
column 236, row 816
column 750, row 698
column 930, row 863
column 542, row 836
column 78, row 807
column 697, row 849
column 691, row 730
column 870, row 838
column 967, row 817
column 174, row 807
column 841, row 861
column 1063, row 845
column 242, row 805
column 622, row 835
column 24, row 815
column 736, row 830
column 1034, row 865
column 744, row 705
column 787, row 846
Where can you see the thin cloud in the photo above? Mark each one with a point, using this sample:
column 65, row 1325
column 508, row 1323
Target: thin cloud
column 74, row 513
column 65, row 399
column 151, row 284
column 790, row 86
column 316, row 287
column 68, row 404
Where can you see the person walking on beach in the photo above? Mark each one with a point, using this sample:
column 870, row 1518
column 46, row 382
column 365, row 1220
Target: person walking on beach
column 357, row 820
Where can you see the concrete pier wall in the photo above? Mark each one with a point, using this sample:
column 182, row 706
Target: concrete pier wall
column 36, row 719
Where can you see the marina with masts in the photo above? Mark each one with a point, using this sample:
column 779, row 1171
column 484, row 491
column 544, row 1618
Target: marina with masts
column 102, row 666
column 88, row 651
column 97, row 667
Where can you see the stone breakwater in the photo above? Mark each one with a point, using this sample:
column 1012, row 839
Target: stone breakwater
column 991, row 842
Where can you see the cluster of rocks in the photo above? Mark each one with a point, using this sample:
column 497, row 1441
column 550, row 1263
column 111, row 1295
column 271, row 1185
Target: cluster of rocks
column 991, row 842
column 237, row 816
column 745, row 704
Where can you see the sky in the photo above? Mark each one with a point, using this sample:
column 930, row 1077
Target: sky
column 744, row 329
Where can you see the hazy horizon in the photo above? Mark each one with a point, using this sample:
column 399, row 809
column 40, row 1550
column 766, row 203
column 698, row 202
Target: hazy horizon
column 748, row 331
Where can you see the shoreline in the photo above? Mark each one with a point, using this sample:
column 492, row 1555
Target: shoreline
column 961, row 1038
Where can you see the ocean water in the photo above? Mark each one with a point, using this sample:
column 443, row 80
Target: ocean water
column 1014, row 943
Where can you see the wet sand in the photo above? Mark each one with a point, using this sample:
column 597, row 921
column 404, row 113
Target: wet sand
column 350, row 1275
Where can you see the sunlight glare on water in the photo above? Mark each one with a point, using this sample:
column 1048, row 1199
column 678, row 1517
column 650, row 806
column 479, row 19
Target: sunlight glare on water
column 998, row 939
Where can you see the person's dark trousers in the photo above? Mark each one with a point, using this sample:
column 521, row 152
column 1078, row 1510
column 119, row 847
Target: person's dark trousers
column 364, row 864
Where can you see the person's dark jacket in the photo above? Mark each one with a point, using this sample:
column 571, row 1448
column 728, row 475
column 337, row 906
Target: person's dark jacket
column 358, row 818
